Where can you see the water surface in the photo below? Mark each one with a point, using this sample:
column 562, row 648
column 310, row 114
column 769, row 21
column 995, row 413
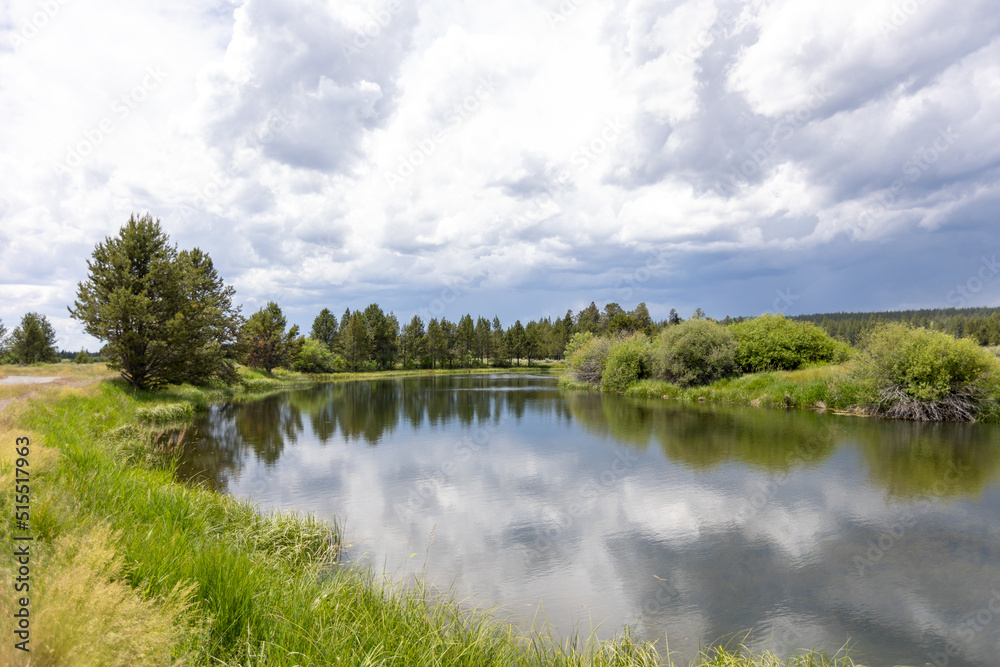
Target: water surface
column 701, row 523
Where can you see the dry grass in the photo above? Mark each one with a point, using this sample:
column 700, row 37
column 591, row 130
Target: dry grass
column 83, row 612
column 67, row 370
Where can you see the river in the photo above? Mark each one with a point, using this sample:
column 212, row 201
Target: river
column 698, row 523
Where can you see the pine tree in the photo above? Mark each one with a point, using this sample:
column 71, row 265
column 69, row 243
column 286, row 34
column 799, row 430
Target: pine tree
column 33, row 341
column 166, row 317
column 324, row 329
column 264, row 340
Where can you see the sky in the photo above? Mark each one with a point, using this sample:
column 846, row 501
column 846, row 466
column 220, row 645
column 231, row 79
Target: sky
column 515, row 159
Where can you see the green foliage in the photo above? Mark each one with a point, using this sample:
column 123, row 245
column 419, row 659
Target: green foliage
column 383, row 334
column 164, row 413
column 695, row 352
column 324, row 329
column 166, row 316
column 925, row 375
column 315, row 357
column 576, row 341
column 981, row 324
column 587, row 362
column 774, row 342
column 354, row 341
column 533, row 337
column 33, row 341
column 515, row 340
column 589, row 319
column 629, row 360
column 264, row 341
column 82, row 358
column 412, row 343
column 466, row 339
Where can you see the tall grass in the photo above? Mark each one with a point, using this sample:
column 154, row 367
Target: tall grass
column 819, row 387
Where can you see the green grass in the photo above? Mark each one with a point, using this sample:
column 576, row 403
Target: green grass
column 135, row 568
column 816, row 387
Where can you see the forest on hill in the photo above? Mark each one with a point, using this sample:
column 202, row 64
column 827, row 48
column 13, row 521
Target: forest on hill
column 979, row 324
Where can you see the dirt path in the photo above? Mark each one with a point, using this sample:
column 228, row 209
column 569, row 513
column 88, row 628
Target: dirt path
column 45, row 381
column 26, row 379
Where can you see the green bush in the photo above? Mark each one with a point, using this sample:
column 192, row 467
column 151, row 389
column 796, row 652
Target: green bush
column 775, row 343
column 575, row 341
column 924, row 375
column 315, row 357
column 587, row 361
column 629, row 360
column 82, row 358
column 695, row 352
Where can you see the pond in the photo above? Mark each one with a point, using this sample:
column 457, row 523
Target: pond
column 701, row 523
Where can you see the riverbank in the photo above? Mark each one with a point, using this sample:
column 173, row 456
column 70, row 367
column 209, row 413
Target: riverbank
column 130, row 567
column 818, row 388
column 821, row 387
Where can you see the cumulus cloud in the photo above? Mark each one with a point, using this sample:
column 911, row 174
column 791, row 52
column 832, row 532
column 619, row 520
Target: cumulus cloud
column 330, row 155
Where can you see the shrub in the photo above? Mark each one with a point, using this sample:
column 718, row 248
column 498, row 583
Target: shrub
column 314, row 357
column 775, row 343
column 587, row 361
column 695, row 352
column 82, row 358
column 924, row 375
column 575, row 342
column 628, row 361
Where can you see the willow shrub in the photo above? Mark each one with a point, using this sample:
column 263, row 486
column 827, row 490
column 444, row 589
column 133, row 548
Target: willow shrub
column 587, row 361
column 629, row 360
column 314, row 357
column 924, row 375
column 776, row 343
column 695, row 352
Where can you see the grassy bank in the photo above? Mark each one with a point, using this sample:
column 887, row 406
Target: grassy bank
column 129, row 567
column 819, row 387
column 899, row 372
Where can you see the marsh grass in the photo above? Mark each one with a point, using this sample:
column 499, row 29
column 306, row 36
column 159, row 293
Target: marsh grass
column 84, row 612
column 818, row 387
column 138, row 569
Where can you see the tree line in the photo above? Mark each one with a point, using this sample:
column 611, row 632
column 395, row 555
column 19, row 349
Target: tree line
column 373, row 338
column 980, row 324
column 167, row 317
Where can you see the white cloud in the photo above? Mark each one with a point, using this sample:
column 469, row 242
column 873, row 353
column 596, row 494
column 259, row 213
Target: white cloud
column 379, row 150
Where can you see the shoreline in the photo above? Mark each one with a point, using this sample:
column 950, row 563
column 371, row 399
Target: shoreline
column 204, row 577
